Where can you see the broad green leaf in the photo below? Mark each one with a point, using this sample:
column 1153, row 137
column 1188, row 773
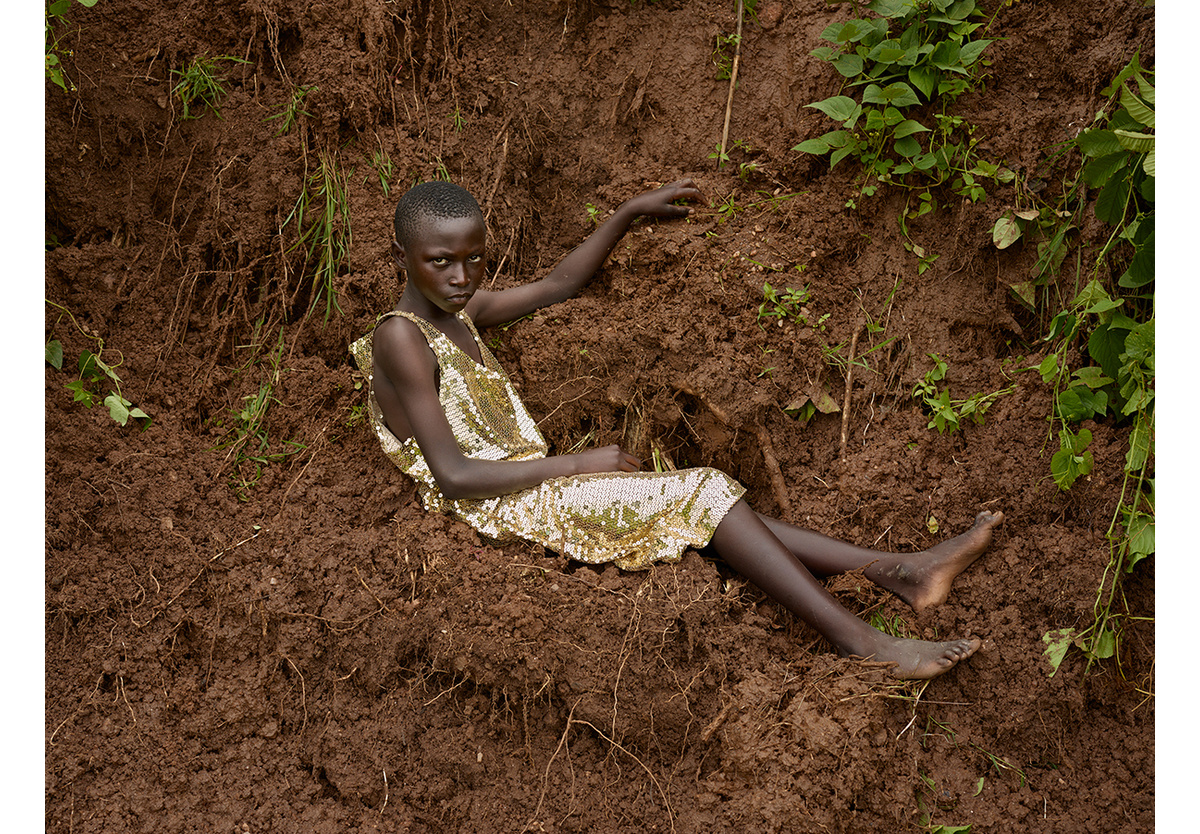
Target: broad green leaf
column 145, row 419
column 118, row 408
column 1148, row 167
column 1139, row 443
column 825, row 53
column 849, row 65
column 886, row 52
column 1057, row 642
column 54, row 353
column 908, row 127
column 1110, row 205
column 960, row 9
column 1079, row 403
column 897, row 94
column 1092, row 377
column 1141, row 268
column 816, row 146
column 1100, row 169
column 1105, row 345
column 831, row 32
column 1098, row 142
column 1005, row 232
column 1135, row 142
column 1025, row 292
column 1103, row 645
column 87, row 363
column 1049, row 368
column 1092, row 292
column 853, row 31
column 924, row 79
column 907, row 147
column 1139, row 345
column 1103, row 305
column 839, row 154
column 947, row 56
column 80, row 393
column 838, row 108
column 1137, row 108
column 970, row 52
column 1145, row 88
column 1064, row 322
column 891, row 8
column 1072, row 460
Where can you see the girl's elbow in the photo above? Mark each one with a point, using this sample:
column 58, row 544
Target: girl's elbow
column 455, row 485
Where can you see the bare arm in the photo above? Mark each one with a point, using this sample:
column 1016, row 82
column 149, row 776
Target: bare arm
column 410, row 368
column 578, row 267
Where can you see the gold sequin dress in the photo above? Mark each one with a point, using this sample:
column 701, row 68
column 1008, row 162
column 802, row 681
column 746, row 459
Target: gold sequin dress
column 630, row 518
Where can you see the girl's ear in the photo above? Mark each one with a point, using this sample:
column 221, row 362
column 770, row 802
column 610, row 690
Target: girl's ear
column 398, row 255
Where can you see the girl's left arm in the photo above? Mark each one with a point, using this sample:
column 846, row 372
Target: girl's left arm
column 578, row 267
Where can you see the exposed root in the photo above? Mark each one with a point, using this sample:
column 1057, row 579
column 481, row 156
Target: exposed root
column 772, row 463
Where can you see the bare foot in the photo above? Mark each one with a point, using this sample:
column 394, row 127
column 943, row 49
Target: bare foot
column 920, row 659
column 924, row 579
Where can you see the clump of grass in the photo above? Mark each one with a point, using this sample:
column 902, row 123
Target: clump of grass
column 322, row 215
column 247, row 439
column 382, row 164
column 292, row 111
column 199, row 85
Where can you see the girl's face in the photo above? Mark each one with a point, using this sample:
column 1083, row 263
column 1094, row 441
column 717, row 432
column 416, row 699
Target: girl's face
column 446, row 260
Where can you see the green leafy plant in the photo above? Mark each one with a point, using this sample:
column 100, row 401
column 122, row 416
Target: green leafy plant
column 55, row 17
column 1111, row 323
column 322, row 215
column 915, row 53
column 95, row 375
column 787, row 304
column 200, row 86
column 458, row 120
column 722, row 56
column 594, row 214
column 947, row 413
column 293, row 110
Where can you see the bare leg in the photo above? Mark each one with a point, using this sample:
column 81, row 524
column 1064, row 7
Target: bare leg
column 920, row 579
column 745, row 542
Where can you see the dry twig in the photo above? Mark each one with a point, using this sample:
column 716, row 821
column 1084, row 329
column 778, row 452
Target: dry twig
column 737, row 54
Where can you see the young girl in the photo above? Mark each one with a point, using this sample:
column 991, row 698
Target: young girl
column 446, row 414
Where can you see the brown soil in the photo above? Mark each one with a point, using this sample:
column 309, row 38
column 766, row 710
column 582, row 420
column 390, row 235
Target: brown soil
column 324, row 656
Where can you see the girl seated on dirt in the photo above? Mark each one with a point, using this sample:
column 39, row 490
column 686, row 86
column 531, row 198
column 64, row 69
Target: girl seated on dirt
column 446, row 414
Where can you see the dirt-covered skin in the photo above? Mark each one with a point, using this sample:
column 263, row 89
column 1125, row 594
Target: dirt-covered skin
column 320, row 654
column 924, row 579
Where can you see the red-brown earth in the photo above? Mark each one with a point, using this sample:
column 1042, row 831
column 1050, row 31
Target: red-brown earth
column 314, row 652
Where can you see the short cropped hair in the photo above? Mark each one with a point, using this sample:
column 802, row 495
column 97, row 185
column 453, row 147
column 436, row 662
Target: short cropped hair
column 426, row 200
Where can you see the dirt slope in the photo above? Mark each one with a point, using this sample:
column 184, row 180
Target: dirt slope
column 313, row 652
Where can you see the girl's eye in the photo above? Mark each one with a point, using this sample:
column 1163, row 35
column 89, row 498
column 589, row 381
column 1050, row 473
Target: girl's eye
column 440, row 261
column 475, row 259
